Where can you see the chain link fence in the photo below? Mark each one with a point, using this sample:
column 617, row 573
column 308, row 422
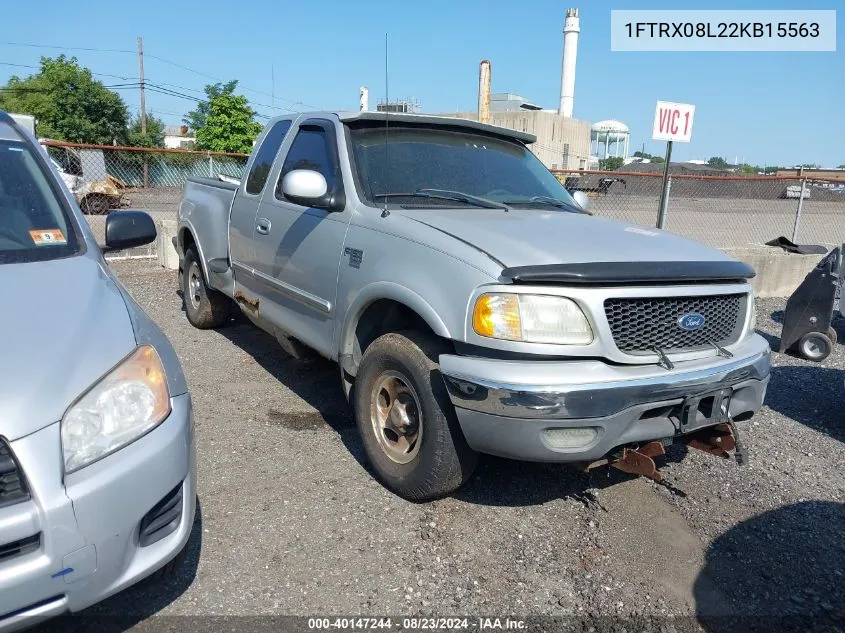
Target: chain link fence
column 723, row 211
column 103, row 178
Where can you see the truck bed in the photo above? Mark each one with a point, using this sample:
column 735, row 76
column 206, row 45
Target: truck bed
column 204, row 209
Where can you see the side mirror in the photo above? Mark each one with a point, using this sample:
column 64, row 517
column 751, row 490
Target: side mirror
column 581, row 199
column 127, row 229
column 305, row 186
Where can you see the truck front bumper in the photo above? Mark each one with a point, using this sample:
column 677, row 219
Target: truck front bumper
column 578, row 411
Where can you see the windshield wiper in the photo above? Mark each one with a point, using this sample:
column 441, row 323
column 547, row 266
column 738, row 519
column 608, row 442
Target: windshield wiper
column 445, row 194
column 560, row 204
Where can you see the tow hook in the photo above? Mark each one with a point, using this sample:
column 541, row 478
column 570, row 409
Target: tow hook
column 719, row 440
column 635, row 461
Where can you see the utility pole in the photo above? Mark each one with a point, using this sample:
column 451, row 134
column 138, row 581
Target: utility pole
column 143, row 104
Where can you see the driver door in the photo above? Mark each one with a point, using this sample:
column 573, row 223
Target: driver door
column 298, row 248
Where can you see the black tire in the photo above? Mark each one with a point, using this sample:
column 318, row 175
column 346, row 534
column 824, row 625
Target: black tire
column 171, row 568
column 815, row 346
column 205, row 307
column 832, row 335
column 441, row 460
column 95, row 204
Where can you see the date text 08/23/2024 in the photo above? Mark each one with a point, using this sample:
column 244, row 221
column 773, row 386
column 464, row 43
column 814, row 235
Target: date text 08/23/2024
column 416, row 624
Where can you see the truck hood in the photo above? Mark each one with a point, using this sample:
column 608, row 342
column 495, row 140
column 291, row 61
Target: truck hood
column 536, row 237
column 64, row 324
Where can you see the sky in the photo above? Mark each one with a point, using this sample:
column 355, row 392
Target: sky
column 764, row 108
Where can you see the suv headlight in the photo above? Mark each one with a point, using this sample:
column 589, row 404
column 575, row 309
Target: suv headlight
column 118, row 409
column 531, row 319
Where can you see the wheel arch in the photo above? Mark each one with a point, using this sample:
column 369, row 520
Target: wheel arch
column 380, row 308
column 186, row 237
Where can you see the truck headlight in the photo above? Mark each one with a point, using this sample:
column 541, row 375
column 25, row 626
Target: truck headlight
column 531, row 319
column 752, row 317
column 118, row 409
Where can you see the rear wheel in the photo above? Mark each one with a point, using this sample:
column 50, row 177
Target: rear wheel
column 406, row 419
column 815, row 346
column 205, row 307
column 95, row 204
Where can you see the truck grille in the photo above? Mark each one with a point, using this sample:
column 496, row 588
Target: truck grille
column 639, row 326
column 12, row 485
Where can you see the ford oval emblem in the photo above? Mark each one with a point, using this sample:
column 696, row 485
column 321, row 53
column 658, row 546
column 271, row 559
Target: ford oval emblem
column 691, row 321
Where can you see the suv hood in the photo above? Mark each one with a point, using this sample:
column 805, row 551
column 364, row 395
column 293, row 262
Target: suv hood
column 64, row 324
column 533, row 237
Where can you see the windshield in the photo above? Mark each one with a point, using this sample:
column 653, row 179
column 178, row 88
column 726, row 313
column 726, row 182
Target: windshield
column 33, row 224
column 409, row 159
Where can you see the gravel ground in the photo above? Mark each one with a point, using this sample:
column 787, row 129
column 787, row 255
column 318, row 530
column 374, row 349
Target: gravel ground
column 291, row 521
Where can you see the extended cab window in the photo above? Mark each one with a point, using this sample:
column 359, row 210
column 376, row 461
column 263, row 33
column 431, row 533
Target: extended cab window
column 264, row 158
column 33, row 224
column 309, row 150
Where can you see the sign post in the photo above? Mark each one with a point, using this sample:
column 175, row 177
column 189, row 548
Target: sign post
column 672, row 122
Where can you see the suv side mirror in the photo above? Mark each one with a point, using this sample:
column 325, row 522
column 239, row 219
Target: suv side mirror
column 127, row 229
column 581, row 199
column 305, row 186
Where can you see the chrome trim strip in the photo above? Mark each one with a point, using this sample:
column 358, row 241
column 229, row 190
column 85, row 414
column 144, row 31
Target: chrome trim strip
column 293, row 292
column 598, row 399
column 243, row 267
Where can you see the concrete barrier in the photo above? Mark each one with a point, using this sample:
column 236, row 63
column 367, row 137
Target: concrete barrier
column 778, row 273
column 165, row 251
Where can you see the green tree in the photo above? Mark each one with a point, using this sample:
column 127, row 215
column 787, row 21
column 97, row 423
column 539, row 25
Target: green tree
column 653, row 158
column 612, row 163
column 840, row 166
column 68, row 103
column 230, row 125
column 196, row 118
column 154, row 136
column 717, row 162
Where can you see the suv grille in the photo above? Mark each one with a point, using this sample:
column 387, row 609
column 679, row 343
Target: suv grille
column 640, row 326
column 12, row 485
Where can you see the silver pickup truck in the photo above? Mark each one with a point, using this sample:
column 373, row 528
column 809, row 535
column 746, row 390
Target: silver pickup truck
column 473, row 306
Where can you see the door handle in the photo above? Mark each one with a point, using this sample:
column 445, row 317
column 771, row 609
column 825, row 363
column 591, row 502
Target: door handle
column 263, row 226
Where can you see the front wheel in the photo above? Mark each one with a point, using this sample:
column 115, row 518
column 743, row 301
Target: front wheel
column 406, row 419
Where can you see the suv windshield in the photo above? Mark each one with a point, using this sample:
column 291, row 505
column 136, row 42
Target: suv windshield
column 415, row 161
column 33, row 224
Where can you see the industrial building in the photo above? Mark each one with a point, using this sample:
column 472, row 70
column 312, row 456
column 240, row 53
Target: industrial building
column 562, row 142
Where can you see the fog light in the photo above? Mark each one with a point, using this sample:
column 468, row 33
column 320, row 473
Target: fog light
column 570, row 438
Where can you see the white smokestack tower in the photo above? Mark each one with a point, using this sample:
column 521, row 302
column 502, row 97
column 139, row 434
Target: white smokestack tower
column 363, row 99
column 571, row 28
column 484, row 92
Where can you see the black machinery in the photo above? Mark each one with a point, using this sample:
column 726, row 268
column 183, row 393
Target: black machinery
column 809, row 311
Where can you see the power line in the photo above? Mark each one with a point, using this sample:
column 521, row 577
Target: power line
column 91, row 71
column 165, row 61
column 68, row 48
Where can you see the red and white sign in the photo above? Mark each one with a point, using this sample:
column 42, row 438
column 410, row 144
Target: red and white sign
column 673, row 122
